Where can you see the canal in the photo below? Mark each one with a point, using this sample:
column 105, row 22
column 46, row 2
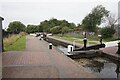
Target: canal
column 102, row 67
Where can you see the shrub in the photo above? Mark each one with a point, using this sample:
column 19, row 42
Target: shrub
column 65, row 30
column 107, row 32
column 22, row 33
column 56, row 30
column 10, row 40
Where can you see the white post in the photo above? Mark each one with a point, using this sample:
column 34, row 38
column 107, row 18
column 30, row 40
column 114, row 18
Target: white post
column 70, row 48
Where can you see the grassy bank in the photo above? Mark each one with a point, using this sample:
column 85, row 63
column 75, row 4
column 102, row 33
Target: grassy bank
column 15, row 43
column 91, row 39
column 76, row 39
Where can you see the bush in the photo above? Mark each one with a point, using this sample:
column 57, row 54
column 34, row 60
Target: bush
column 22, row 33
column 65, row 30
column 10, row 40
column 107, row 32
column 56, row 30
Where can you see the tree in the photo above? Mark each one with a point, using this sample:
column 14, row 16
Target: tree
column 56, row 30
column 65, row 30
column 107, row 32
column 71, row 25
column 111, row 21
column 45, row 25
column 48, row 24
column 33, row 28
column 93, row 19
column 40, row 28
column 16, row 27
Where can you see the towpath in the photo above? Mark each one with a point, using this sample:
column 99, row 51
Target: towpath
column 37, row 61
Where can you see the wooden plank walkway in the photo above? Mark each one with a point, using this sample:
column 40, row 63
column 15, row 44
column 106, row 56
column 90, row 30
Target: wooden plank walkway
column 37, row 61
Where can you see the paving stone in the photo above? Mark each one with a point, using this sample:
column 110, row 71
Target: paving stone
column 30, row 72
column 37, row 61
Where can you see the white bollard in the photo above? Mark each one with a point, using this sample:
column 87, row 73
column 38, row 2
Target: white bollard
column 70, row 48
column 50, row 46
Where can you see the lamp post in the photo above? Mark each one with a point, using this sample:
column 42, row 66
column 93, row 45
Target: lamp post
column 1, row 35
column 100, row 36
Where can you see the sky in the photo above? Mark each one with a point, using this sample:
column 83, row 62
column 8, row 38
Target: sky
column 35, row 11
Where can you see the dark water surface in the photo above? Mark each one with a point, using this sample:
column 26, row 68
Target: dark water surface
column 101, row 66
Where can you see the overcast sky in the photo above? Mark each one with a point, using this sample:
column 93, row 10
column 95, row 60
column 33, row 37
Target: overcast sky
column 35, row 11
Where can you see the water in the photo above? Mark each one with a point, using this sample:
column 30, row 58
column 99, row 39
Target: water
column 63, row 49
column 102, row 67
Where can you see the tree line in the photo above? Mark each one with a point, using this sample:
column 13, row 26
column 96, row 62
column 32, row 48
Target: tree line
column 51, row 26
column 89, row 24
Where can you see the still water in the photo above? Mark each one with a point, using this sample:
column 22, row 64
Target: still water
column 100, row 66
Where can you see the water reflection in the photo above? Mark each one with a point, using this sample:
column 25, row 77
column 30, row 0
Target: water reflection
column 102, row 67
column 95, row 66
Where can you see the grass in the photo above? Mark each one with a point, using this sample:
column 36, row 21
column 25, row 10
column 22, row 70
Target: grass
column 72, row 38
column 90, row 38
column 111, row 39
column 10, row 40
column 81, row 42
column 18, row 44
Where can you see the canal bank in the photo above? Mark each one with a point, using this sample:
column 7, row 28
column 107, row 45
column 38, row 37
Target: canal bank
column 104, row 65
column 64, row 43
column 110, row 52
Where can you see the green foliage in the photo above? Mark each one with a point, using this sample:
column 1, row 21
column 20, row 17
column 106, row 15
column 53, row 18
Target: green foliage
column 60, row 30
column 65, row 30
column 16, row 27
column 93, row 19
column 49, row 24
column 14, row 43
column 34, row 28
column 73, row 38
column 56, row 30
column 10, row 40
column 18, row 45
column 107, row 32
column 53, row 25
